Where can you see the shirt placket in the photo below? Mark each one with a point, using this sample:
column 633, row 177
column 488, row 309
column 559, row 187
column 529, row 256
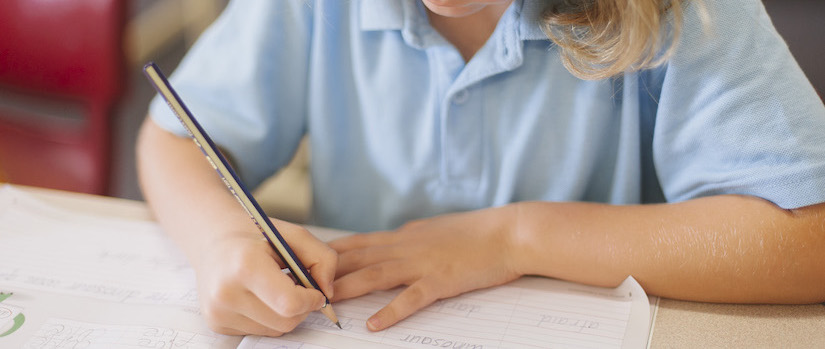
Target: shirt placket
column 463, row 114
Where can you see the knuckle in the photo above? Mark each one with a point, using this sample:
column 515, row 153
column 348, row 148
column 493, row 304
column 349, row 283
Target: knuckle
column 242, row 266
column 221, row 296
column 329, row 255
column 354, row 257
column 287, row 306
column 418, row 294
column 375, row 272
column 290, row 324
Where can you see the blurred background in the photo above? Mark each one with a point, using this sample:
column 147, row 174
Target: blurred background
column 71, row 90
column 72, row 94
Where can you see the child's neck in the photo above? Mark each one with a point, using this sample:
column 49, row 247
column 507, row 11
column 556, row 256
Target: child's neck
column 469, row 33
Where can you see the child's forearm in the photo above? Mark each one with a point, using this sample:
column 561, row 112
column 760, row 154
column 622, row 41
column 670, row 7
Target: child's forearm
column 241, row 288
column 717, row 249
column 183, row 191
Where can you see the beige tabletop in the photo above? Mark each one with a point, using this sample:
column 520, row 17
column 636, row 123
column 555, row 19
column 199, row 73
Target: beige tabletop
column 677, row 324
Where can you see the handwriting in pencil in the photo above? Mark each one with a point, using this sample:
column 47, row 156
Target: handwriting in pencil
column 60, row 336
column 153, row 337
column 440, row 342
column 456, row 307
column 566, row 323
column 69, row 334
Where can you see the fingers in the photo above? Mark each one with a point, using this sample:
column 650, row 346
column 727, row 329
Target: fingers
column 262, row 300
column 245, row 327
column 360, row 241
column 355, row 259
column 324, row 275
column 318, row 258
column 279, row 293
column 251, row 316
column 382, row 276
column 258, row 312
column 238, row 325
column 412, row 299
column 246, row 291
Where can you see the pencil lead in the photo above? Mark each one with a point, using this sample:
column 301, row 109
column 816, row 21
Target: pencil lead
column 339, row 325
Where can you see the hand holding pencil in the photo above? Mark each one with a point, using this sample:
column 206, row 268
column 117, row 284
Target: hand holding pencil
column 242, row 289
column 241, row 286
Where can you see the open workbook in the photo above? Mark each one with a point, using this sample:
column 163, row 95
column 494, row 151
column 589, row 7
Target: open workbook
column 84, row 281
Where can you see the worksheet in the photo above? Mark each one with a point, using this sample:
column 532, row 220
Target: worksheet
column 531, row 312
column 86, row 281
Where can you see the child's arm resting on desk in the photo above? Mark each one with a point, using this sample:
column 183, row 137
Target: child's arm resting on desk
column 240, row 284
column 726, row 248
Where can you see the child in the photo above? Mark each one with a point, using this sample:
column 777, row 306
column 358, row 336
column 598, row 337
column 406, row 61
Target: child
column 480, row 151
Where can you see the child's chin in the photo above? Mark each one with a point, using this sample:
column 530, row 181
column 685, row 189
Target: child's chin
column 453, row 11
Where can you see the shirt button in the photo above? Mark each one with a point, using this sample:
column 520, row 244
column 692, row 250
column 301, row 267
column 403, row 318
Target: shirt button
column 461, row 97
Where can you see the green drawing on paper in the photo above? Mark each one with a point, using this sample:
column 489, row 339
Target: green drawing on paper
column 18, row 322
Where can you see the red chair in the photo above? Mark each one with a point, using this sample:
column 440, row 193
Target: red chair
column 61, row 74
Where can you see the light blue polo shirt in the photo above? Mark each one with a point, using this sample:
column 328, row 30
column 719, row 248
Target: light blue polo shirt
column 401, row 128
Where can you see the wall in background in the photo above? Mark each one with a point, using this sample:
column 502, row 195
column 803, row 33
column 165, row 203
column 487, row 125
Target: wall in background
column 802, row 24
column 160, row 31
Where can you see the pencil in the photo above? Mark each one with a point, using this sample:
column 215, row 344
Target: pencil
column 234, row 184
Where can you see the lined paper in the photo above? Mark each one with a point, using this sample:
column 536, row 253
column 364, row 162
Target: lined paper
column 275, row 343
column 63, row 333
column 114, row 260
column 120, row 262
column 528, row 313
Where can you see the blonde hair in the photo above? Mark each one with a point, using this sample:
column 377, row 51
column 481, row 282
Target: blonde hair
column 603, row 38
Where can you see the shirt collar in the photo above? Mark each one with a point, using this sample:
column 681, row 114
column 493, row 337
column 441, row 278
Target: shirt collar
column 382, row 14
column 396, row 15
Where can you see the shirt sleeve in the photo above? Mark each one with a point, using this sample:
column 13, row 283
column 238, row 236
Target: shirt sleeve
column 736, row 114
column 245, row 81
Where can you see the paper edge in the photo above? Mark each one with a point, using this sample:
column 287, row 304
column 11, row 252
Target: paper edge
column 653, row 321
column 639, row 321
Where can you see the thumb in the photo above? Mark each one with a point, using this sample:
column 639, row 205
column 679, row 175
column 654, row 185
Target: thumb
column 320, row 260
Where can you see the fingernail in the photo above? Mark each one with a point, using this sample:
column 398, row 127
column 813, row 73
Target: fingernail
column 374, row 324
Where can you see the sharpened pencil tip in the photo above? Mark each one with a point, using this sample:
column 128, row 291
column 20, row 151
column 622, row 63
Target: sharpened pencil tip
column 339, row 325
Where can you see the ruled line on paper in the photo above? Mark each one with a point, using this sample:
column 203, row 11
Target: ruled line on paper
column 528, row 313
column 509, row 316
column 106, row 259
column 64, row 333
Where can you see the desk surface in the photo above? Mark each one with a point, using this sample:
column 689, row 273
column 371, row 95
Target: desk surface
column 677, row 324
